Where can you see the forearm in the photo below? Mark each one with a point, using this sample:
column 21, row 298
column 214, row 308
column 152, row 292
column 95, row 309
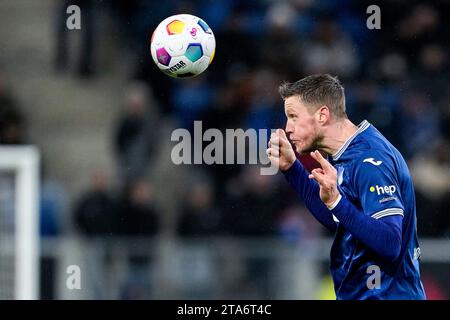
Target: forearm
column 308, row 190
column 382, row 236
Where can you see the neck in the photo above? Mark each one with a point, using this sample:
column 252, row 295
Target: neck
column 336, row 135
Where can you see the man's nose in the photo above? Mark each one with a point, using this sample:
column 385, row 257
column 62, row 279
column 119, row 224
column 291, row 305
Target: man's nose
column 289, row 128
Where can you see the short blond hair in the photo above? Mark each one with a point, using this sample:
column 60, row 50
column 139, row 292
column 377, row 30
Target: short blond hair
column 318, row 90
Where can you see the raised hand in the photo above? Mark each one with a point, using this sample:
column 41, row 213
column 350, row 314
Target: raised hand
column 280, row 151
column 326, row 177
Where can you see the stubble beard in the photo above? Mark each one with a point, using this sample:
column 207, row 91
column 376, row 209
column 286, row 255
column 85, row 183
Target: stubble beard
column 315, row 144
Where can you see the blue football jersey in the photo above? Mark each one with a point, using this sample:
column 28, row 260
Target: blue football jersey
column 373, row 175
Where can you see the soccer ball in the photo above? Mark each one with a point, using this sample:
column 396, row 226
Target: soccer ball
column 183, row 46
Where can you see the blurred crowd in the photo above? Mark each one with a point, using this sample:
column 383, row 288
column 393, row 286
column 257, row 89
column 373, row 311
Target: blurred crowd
column 396, row 77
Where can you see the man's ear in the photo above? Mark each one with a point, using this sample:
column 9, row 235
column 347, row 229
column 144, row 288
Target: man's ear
column 323, row 114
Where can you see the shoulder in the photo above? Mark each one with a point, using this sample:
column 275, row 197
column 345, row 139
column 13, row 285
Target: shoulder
column 376, row 152
column 378, row 147
column 375, row 157
column 374, row 162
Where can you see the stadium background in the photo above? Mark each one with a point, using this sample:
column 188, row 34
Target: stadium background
column 140, row 227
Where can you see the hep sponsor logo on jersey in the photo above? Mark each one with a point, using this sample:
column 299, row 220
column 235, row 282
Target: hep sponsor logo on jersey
column 390, row 190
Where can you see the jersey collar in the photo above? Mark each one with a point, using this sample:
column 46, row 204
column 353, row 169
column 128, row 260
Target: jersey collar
column 361, row 127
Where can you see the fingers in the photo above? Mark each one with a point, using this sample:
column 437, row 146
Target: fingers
column 316, row 155
column 278, row 138
column 273, row 146
column 274, row 139
column 319, row 170
column 277, row 144
column 283, row 138
column 273, row 152
column 318, row 175
column 282, row 134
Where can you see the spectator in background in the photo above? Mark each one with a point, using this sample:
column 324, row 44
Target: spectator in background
column 199, row 215
column 296, row 225
column 248, row 211
column 236, row 58
column 252, row 208
column 12, row 122
column 428, row 169
column 419, row 122
column 85, row 55
column 137, row 212
column 281, row 48
column 420, row 26
column 431, row 76
column 138, row 216
column 367, row 99
column 95, row 210
column 330, row 50
column 264, row 110
column 133, row 141
column 391, row 67
column 193, row 97
column 228, row 111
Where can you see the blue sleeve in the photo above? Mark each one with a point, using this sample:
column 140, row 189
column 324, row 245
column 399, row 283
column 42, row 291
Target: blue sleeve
column 308, row 190
column 382, row 236
column 378, row 221
column 377, row 186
